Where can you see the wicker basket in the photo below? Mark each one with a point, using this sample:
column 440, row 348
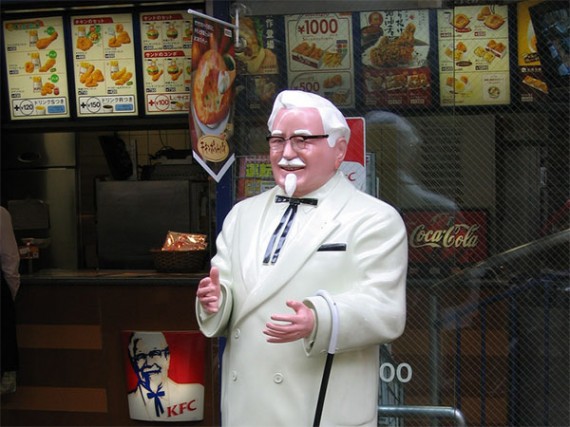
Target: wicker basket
column 179, row 261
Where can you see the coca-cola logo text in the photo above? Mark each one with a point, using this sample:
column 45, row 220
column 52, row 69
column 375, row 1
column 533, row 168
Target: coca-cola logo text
column 455, row 236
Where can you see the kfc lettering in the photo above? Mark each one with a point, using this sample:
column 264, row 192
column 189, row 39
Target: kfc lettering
column 179, row 408
column 456, row 236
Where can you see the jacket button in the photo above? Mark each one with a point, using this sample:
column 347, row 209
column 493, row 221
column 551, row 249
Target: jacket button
column 278, row 378
column 234, row 375
column 236, row 333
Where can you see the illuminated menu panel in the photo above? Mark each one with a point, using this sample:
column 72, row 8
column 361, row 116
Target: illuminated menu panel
column 36, row 68
column 474, row 55
column 395, row 46
column 166, row 43
column 532, row 77
column 319, row 55
column 104, row 65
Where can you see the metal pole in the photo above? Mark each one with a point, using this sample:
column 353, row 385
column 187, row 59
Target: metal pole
column 428, row 411
column 434, row 353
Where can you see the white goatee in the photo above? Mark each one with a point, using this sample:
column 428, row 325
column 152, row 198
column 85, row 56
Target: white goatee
column 290, row 184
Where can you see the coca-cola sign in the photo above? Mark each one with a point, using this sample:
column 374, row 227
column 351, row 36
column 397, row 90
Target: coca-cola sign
column 447, row 238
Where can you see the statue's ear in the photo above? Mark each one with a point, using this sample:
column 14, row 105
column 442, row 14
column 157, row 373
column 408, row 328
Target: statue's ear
column 341, row 147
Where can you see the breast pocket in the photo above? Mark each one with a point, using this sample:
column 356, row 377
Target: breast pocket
column 332, row 247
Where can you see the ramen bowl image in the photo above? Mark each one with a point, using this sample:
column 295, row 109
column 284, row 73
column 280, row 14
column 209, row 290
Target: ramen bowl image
column 213, row 87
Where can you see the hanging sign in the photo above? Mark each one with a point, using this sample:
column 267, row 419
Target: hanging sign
column 212, row 94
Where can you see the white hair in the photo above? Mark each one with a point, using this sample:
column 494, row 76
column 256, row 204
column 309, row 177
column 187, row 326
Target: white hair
column 334, row 123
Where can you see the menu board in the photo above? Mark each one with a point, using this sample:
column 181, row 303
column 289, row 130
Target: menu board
column 166, row 42
column 395, row 48
column 258, row 68
column 104, row 65
column 319, row 55
column 533, row 82
column 36, row 68
column 474, row 55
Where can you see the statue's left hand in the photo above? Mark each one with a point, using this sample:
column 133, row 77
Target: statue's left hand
column 292, row 327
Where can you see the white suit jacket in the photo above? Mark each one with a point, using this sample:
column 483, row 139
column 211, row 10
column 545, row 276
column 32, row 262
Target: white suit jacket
column 355, row 247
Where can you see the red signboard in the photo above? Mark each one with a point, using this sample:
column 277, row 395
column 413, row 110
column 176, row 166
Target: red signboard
column 446, row 239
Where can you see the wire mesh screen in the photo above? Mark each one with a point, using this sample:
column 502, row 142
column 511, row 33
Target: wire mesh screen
column 467, row 135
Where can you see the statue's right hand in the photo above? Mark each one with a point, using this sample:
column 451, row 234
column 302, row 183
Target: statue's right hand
column 208, row 292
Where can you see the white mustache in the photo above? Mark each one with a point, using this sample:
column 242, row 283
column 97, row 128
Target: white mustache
column 296, row 162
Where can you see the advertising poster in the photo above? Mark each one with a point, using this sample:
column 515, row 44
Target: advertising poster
column 319, row 56
column 166, row 42
column 254, row 173
column 254, row 176
column 258, row 68
column 474, row 55
column 451, row 239
column 533, row 85
column 36, row 68
column 104, row 65
column 214, row 71
column 395, row 48
column 354, row 164
column 165, row 375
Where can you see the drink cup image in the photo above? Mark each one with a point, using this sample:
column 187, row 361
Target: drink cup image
column 33, row 34
column 37, row 83
column 40, row 110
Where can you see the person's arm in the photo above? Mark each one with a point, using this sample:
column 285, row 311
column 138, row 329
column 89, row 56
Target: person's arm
column 9, row 255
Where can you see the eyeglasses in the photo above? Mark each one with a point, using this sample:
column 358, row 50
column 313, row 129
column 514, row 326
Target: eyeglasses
column 298, row 142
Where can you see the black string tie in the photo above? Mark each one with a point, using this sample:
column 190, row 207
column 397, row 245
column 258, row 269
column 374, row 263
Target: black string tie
column 285, row 225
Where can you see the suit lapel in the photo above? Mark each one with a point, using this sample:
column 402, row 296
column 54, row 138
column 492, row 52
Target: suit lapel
column 320, row 225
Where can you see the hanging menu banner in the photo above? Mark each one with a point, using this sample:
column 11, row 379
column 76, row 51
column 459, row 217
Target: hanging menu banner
column 166, row 42
column 214, row 71
column 474, row 55
column 36, row 68
column 104, row 65
column 319, row 56
column 395, row 46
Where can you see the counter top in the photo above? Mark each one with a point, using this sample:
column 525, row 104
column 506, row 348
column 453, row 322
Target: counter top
column 107, row 277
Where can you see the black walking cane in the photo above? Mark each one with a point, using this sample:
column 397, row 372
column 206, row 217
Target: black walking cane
column 330, row 356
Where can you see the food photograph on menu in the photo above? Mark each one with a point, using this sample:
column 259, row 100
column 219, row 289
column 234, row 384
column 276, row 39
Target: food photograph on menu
column 474, row 55
column 104, row 65
column 319, row 55
column 166, row 43
column 256, row 57
column 395, row 48
column 36, row 68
